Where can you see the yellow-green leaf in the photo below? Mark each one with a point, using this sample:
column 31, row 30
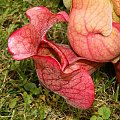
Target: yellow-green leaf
column 13, row 102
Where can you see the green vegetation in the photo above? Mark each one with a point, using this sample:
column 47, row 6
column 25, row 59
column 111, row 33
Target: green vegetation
column 21, row 95
column 103, row 114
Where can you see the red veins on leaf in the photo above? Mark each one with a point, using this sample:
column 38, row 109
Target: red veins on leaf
column 58, row 67
column 76, row 87
column 91, row 32
column 62, row 71
column 73, row 82
column 76, row 62
column 24, row 42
